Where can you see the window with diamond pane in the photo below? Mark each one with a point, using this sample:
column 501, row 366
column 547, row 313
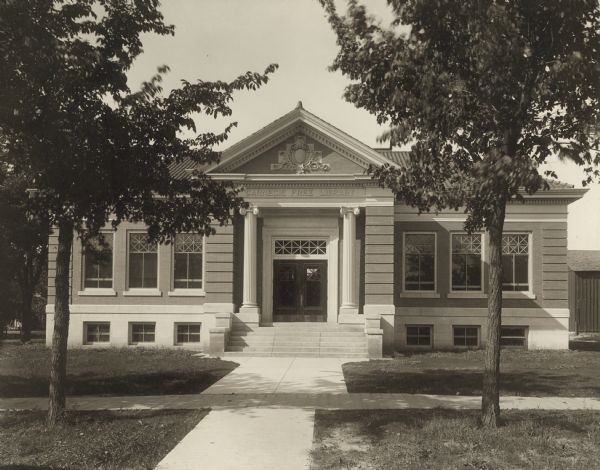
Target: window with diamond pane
column 188, row 261
column 143, row 262
column 515, row 262
column 466, row 262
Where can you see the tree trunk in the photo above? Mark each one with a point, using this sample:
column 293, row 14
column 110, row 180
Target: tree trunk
column 490, row 400
column 26, row 300
column 58, row 365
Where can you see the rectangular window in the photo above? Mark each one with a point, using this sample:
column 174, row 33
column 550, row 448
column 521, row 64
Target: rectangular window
column 188, row 261
column 142, row 332
column 513, row 336
column 188, row 333
column 466, row 336
column 419, row 262
column 515, row 262
column 143, row 262
column 97, row 332
column 98, row 262
column 466, row 262
column 418, row 335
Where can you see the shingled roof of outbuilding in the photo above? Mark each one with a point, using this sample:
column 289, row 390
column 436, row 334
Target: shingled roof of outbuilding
column 583, row 260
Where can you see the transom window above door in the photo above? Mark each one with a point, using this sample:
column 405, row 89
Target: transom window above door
column 300, row 247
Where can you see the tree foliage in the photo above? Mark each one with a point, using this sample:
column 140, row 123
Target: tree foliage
column 484, row 91
column 23, row 250
column 96, row 151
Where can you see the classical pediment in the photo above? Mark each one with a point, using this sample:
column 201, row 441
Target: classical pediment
column 298, row 143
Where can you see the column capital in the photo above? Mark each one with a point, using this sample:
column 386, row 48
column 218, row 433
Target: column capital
column 353, row 210
column 250, row 210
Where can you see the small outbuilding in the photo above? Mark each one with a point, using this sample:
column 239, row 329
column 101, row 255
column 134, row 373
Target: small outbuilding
column 584, row 290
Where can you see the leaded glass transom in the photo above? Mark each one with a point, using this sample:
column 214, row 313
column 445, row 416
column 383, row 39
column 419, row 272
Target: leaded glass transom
column 420, row 244
column 139, row 243
column 300, row 247
column 188, row 243
column 515, row 244
column 464, row 244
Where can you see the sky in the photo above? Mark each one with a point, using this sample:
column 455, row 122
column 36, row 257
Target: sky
column 221, row 39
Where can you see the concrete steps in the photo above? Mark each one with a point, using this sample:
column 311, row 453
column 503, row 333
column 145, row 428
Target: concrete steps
column 297, row 340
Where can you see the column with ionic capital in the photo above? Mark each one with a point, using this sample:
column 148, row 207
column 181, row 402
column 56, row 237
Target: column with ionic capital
column 349, row 293
column 249, row 297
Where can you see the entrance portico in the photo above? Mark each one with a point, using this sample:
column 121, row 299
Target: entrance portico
column 310, row 239
column 308, row 254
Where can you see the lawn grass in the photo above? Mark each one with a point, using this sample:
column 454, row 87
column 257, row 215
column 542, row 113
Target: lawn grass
column 94, row 440
column 525, row 373
column 24, row 371
column 451, row 439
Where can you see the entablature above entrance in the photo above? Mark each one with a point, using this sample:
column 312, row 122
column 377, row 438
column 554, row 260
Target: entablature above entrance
column 315, row 194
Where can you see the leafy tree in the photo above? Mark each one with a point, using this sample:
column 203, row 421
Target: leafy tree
column 94, row 150
column 23, row 249
column 484, row 91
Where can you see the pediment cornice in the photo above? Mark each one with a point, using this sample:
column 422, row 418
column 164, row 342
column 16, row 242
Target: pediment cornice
column 297, row 122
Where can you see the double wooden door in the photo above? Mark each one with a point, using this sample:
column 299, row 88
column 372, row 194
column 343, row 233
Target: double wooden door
column 299, row 290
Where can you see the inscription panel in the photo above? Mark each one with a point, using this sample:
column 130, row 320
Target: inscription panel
column 303, row 192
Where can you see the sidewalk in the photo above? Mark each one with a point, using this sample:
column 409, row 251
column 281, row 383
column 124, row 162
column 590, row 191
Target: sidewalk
column 322, row 401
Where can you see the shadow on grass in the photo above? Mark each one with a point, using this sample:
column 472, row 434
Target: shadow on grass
column 30, row 467
column 465, row 382
column 159, row 383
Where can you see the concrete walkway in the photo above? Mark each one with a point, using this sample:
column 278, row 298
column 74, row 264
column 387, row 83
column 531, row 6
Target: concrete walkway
column 311, row 375
column 323, row 401
column 252, row 438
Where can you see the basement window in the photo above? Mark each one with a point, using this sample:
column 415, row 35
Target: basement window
column 418, row 335
column 513, row 336
column 142, row 332
column 97, row 332
column 188, row 333
column 466, row 336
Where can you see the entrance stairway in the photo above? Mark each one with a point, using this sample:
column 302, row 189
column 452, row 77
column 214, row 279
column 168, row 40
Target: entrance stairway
column 300, row 339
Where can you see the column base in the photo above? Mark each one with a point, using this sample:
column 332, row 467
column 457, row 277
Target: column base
column 250, row 309
column 348, row 310
column 248, row 315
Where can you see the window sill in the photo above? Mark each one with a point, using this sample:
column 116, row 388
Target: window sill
column 187, row 293
column 142, row 293
column 419, row 295
column 518, row 295
column 97, row 293
column 467, row 295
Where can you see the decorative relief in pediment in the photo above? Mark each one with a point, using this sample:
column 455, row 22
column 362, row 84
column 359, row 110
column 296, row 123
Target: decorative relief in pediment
column 301, row 157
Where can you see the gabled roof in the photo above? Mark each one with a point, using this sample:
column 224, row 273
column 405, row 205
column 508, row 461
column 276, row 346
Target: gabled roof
column 297, row 120
column 583, row 260
column 399, row 157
